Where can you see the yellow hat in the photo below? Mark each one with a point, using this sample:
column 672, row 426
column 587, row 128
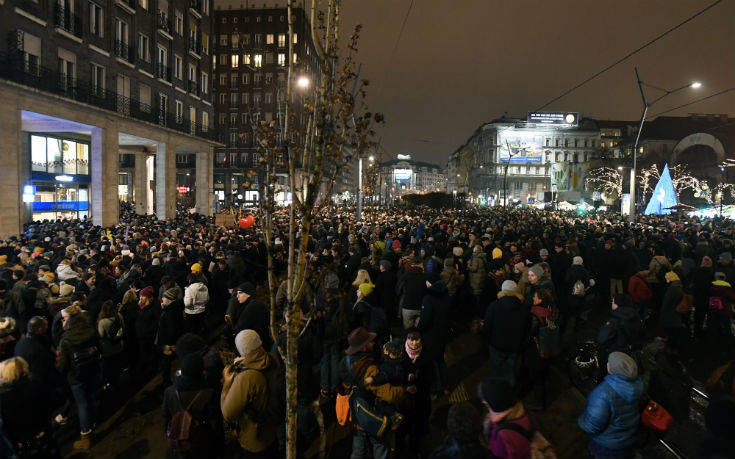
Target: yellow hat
column 196, row 268
column 497, row 253
column 671, row 276
column 366, row 289
column 3, row 259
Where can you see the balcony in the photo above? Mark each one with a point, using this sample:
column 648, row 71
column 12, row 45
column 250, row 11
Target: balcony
column 144, row 64
column 195, row 6
column 34, row 8
column 193, row 87
column 164, row 25
column 67, row 21
column 124, row 51
column 127, row 5
column 195, row 47
column 163, row 72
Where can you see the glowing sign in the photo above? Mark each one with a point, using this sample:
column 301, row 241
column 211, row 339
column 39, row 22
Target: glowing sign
column 64, row 178
column 556, row 118
column 404, row 157
column 402, row 175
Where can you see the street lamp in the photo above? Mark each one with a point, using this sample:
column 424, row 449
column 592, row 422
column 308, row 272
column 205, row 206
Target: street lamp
column 303, row 82
column 646, row 106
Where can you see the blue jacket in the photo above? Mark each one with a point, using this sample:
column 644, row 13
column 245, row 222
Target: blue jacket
column 612, row 415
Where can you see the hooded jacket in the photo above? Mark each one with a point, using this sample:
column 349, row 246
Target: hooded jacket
column 248, row 393
column 668, row 317
column 506, row 321
column 196, row 297
column 612, row 416
column 79, row 337
column 620, row 330
column 639, row 288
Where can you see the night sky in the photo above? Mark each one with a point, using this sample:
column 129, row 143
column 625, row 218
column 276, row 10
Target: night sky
column 461, row 63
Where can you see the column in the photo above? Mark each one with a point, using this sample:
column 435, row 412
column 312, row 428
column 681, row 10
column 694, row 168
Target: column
column 11, row 158
column 104, row 163
column 140, row 184
column 204, row 182
column 165, row 180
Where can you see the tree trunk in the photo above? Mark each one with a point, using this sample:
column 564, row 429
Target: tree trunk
column 292, row 353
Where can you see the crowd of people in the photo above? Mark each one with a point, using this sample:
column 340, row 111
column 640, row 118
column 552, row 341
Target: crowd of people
column 88, row 312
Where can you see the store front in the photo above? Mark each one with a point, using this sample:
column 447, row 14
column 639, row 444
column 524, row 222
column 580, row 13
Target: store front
column 59, row 178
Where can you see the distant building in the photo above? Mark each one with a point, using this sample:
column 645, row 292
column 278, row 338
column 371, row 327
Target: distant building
column 403, row 175
column 251, row 49
column 544, row 155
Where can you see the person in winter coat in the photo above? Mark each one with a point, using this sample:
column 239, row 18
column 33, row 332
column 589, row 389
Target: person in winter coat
column 189, row 391
column 385, row 289
column 508, row 429
column 537, row 280
column 720, row 302
column 669, row 320
column 639, row 289
column 196, row 298
column 478, row 274
column 574, row 304
column 66, row 272
column 36, row 349
column 253, row 314
column 702, row 277
column 434, row 326
column 111, row 332
column 463, row 429
column 25, row 410
column 543, row 313
column 82, row 373
column 245, row 390
column 11, row 305
column 170, row 328
column 146, row 326
column 612, row 415
column 504, row 330
column 366, row 314
column 621, row 329
column 410, row 289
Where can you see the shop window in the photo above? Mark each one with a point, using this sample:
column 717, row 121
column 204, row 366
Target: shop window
column 38, row 153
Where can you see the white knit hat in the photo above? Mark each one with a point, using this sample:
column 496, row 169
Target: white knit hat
column 247, row 341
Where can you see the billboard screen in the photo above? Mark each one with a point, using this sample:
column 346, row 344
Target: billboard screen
column 555, row 118
column 525, row 146
column 402, row 175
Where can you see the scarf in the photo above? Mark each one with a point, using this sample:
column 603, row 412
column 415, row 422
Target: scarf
column 542, row 312
column 413, row 354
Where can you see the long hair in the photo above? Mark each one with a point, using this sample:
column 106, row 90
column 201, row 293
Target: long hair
column 363, row 277
column 13, row 369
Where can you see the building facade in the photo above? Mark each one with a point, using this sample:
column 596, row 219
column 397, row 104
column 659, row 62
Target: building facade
column 403, row 175
column 525, row 159
column 250, row 78
column 83, row 82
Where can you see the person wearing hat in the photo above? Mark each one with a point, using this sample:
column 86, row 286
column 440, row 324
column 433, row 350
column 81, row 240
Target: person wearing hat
column 410, row 290
column 245, row 390
column 478, row 274
column 621, row 329
column 504, row 327
column 506, row 441
column 359, row 355
column 724, row 264
column 574, row 304
column 190, row 392
column 720, row 300
column 253, row 314
column 170, row 327
column 669, row 320
column 146, row 326
column 612, row 415
column 385, row 289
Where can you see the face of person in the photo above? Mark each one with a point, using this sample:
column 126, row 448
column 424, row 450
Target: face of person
column 242, row 297
column 413, row 341
column 532, row 278
column 536, row 299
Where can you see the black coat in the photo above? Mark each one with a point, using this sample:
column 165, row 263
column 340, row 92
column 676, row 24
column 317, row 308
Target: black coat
column 434, row 319
column 411, row 289
column 146, row 323
column 255, row 316
column 25, row 409
column 385, row 289
column 170, row 323
column 37, row 351
column 205, row 410
column 506, row 322
column 620, row 331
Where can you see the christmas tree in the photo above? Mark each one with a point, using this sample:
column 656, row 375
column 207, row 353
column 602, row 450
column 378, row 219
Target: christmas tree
column 663, row 197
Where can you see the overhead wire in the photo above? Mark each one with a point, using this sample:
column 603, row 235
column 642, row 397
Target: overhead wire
column 395, row 48
column 630, row 54
column 693, row 102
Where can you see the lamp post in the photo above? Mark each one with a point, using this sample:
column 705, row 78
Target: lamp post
column 646, row 105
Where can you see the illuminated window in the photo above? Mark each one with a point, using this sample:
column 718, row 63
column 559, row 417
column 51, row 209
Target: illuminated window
column 235, row 61
column 295, row 59
column 246, row 59
column 281, row 40
column 245, row 78
column 258, row 60
column 269, row 39
column 295, row 38
column 281, row 59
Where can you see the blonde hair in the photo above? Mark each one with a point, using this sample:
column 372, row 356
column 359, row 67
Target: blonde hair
column 363, row 277
column 13, row 369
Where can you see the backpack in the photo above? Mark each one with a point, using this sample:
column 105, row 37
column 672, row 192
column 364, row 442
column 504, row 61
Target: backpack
column 578, row 288
column 179, row 429
column 371, row 414
column 342, row 406
column 716, row 304
column 115, row 332
column 85, row 362
column 549, row 340
column 274, row 413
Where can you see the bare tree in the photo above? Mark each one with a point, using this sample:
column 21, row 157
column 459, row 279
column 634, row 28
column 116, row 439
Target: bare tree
column 337, row 127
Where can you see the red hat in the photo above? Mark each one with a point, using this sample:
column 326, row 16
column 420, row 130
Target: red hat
column 396, row 244
column 146, row 292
